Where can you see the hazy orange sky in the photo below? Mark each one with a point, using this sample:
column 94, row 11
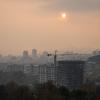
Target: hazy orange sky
column 27, row 24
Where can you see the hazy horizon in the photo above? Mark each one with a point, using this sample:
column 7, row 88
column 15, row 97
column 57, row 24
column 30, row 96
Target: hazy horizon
column 41, row 24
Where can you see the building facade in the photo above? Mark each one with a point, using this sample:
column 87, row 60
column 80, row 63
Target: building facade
column 70, row 74
column 47, row 72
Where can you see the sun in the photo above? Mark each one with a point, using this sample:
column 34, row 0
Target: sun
column 63, row 15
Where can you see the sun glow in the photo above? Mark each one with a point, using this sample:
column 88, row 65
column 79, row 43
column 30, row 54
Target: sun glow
column 63, row 15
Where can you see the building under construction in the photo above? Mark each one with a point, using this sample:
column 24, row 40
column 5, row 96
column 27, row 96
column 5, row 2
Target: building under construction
column 70, row 73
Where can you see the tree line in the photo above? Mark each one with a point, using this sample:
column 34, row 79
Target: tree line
column 46, row 91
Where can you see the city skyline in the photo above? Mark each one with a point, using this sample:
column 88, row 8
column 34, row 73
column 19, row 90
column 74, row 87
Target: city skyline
column 49, row 25
column 34, row 52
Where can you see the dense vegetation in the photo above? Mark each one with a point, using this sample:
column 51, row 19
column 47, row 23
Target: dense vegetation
column 47, row 91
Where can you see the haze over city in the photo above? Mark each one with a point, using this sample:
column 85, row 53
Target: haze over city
column 49, row 49
column 49, row 25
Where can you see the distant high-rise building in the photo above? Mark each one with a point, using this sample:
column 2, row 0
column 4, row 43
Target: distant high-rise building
column 26, row 59
column 0, row 55
column 92, row 68
column 45, row 53
column 70, row 74
column 34, row 53
column 97, row 52
column 25, row 54
column 34, row 56
column 44, row 58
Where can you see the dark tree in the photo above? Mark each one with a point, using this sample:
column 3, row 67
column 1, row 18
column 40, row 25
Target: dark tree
column 3, row 93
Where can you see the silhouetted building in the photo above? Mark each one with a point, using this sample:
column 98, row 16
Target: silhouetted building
column 70, row 74
column 34, row 56
column 25, row 54
column 34, row 53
